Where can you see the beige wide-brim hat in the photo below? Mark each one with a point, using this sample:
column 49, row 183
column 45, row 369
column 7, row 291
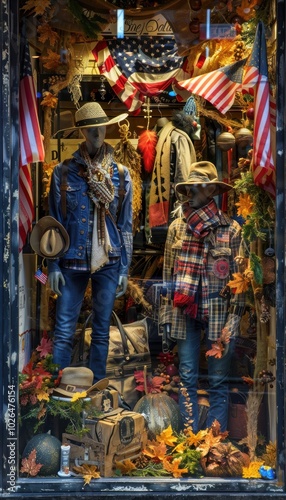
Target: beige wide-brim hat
column 78, row 379
column 92, row 115
column 49, row 238
column 202, row 173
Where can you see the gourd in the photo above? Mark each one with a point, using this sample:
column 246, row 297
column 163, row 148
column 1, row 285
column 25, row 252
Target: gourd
column 48, row 450
column 159, row 411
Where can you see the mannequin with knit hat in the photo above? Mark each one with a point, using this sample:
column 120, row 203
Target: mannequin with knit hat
column 100, row 237
column 199, row 260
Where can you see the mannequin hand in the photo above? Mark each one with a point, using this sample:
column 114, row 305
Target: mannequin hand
column 122, row 286
column 55, row 278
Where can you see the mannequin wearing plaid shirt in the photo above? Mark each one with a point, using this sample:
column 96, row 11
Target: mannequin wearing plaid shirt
column 221, row 246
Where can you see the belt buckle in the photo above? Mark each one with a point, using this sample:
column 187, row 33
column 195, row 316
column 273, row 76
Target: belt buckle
column 71, row 388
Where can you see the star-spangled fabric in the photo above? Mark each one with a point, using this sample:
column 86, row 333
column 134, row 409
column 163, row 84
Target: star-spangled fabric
column 31, row 143
column 140, row 67
column 219, row 86
column 256, row 78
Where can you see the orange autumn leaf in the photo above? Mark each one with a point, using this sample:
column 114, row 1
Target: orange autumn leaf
column 173, row 467
column 195, row 439
column 29, row 465
column 240, row 283
column 52, row 60
column 167, row 437
column 244, row 205
column 49, row 100
column 216, row 350
column 46, row 33
column 87, row 471
column 37, row 8
column 246, row 10
column 210, row 441
column 125, row 467
column 155, row 450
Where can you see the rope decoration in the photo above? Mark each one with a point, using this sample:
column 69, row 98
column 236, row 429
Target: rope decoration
column 124, row 132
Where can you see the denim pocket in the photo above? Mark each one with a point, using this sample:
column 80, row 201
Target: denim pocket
column 73, row 195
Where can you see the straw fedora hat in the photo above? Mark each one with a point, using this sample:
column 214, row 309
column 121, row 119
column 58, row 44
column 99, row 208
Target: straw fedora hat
column 78, row 379
column 49, row 238
column 202, row 173
column 92, row 114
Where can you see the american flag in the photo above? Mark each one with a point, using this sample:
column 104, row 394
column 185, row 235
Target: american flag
column 31, row 143
column 219, row 86
column 256, row 76
column 139, row 67
column 41, row 276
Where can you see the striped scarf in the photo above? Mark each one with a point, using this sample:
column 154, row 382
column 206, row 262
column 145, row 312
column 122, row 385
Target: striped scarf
column 191, row 288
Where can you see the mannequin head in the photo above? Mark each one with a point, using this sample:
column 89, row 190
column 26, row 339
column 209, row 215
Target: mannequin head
column 198, row 196
column 94, row 137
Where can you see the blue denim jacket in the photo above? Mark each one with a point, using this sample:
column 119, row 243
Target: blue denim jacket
column 78, row 213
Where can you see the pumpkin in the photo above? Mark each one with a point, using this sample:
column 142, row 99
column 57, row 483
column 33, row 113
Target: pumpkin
column 159, row 411
column 48, row 450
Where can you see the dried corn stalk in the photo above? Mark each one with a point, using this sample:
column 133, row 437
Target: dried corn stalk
column 126, row 154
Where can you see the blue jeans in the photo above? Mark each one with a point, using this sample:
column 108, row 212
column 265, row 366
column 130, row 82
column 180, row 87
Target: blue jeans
column 218, row 372
column 103, row 284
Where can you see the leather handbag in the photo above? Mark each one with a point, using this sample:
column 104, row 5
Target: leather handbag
column 128, row 352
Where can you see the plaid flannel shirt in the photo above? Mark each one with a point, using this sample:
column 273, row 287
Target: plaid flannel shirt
column 224, row 243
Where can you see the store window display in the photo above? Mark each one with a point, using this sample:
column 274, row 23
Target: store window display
column 199, row 259
column 85, row 197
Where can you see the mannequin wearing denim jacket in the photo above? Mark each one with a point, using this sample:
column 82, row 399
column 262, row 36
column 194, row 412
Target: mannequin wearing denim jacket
column 69, row 275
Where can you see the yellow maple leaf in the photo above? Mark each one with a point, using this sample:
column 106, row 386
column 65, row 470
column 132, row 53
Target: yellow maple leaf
column 173, row 467
column 155, row 450
column 180, row 448
column 167, row 437
column 126, row 466
column 42, row 395
column 252, row 471
column 78, row 395
column 244, row 205
column 239, row 284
